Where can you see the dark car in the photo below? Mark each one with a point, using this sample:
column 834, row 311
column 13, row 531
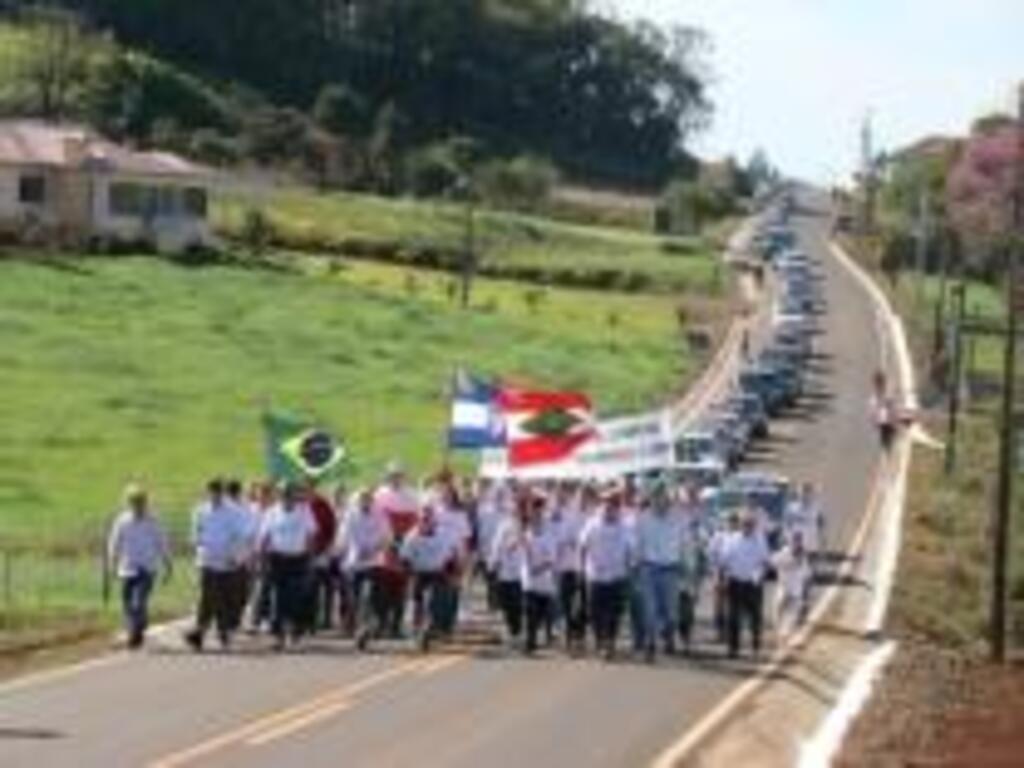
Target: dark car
column 766, row 384
column 751, row 408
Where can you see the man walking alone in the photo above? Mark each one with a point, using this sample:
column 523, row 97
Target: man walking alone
column 136, row 549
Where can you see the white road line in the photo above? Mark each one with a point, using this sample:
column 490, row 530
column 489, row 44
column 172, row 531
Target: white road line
column 878, row 502
column 822, row 748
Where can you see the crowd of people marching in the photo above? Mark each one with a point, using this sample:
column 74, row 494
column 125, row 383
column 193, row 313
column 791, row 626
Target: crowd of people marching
column 560, row 563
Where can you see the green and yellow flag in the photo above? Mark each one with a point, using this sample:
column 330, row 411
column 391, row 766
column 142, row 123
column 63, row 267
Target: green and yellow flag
column 299, row 450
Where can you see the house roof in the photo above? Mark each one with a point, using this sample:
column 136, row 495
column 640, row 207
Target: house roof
column 27, row 142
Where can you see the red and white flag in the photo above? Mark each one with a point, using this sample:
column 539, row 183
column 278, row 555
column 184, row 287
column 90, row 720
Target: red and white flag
column 545, row 427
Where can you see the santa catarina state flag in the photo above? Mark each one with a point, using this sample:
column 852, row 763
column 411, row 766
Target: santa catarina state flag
column 545, row 427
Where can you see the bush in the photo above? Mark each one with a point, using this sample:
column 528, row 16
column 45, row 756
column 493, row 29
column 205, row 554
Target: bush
column 431, row 172
column 524, row 183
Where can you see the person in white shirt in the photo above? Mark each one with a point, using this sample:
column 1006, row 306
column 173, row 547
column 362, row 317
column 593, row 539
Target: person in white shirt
column 569, row 513
column 136, row 549
column 506, row 562
column 491, row 509
column 745, row 561
column 431, row 554
column 287, row 538
column 453, row 520
column 605, row 550
column 242, row 576
column 793, row 568
column 658, row 539
column 219, row 537
column 538, row 573
column 719, row 580
column 262, row 496
column 364, row 539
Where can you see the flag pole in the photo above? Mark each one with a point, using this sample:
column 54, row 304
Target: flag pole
column 446, row 443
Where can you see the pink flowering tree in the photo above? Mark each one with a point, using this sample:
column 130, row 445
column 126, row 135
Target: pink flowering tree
column 979, row 191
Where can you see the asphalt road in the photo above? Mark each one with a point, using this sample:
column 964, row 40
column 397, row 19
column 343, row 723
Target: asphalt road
column 326, row 705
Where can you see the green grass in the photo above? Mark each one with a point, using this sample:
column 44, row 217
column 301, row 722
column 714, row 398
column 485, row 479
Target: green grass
column 123, row 368
column 505, row 240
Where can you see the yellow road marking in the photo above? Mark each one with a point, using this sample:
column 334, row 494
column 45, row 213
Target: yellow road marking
column 292, row 726
column 286, row 722
column 276, row 719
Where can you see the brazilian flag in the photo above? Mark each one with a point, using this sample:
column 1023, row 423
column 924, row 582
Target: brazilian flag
column 299, row 450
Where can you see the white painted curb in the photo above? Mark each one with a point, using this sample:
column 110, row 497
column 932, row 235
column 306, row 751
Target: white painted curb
column 820, row 751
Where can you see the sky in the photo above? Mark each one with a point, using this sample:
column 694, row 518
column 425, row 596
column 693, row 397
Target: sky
column 798, row 77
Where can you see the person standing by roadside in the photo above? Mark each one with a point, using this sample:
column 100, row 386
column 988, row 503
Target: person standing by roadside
column 136, row 549
column 288, row 539
column 659, row 540
column 606, row 552
column 219, row 538
column 745, row 560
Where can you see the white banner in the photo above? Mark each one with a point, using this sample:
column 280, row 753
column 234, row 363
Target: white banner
column 623, row 446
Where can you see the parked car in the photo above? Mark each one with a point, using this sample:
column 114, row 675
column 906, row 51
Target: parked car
column 751, row 407
column 765, row 384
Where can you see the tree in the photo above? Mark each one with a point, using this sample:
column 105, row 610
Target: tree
column 980, row 188
column 343, row 112
column 56, row 62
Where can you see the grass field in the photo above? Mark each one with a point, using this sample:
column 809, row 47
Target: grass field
column 132, row 367
column 504, row 240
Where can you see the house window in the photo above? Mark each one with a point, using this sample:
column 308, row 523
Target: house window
column 127, row 199
column 195, row 201
column 32, row 189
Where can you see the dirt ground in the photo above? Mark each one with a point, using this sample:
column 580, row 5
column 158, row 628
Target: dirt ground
column 937, row 709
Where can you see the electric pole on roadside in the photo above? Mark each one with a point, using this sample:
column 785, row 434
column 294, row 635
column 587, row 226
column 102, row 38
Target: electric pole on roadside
column 959, row 299
column 924, row 232
column 1007, row 467
column 867, row 151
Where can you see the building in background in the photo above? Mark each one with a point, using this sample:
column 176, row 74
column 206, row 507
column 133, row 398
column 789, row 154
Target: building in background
column 65, row 185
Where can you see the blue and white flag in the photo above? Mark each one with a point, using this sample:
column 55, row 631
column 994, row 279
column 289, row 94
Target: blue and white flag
column 477, row 420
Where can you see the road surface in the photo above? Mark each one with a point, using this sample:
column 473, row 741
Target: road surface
column 326, row 705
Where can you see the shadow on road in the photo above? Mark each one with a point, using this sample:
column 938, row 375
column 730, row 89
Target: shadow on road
column 29, row 734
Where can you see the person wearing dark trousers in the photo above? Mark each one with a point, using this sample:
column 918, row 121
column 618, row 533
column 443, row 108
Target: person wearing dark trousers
column 506, row 561
column 607, row 559
column 431, row 555
column 745, row 560
column 136, row 549
column 242, row 577
column 537, row 574
column 287, row 538
column 364, row 539
column 220, row 540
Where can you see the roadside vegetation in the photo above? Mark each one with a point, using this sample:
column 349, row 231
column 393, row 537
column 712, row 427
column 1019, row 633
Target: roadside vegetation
column 940, row 699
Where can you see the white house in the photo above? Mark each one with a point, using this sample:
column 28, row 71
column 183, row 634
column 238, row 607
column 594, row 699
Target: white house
column 68, row 184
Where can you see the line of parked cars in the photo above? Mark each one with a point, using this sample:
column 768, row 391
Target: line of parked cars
column 767, row 384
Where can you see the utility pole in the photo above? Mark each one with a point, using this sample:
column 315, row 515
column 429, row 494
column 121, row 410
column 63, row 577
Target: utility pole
column 867, row 150
column 1004, row 498
column 469, row 243
column 959, row 299
column 923, row 240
